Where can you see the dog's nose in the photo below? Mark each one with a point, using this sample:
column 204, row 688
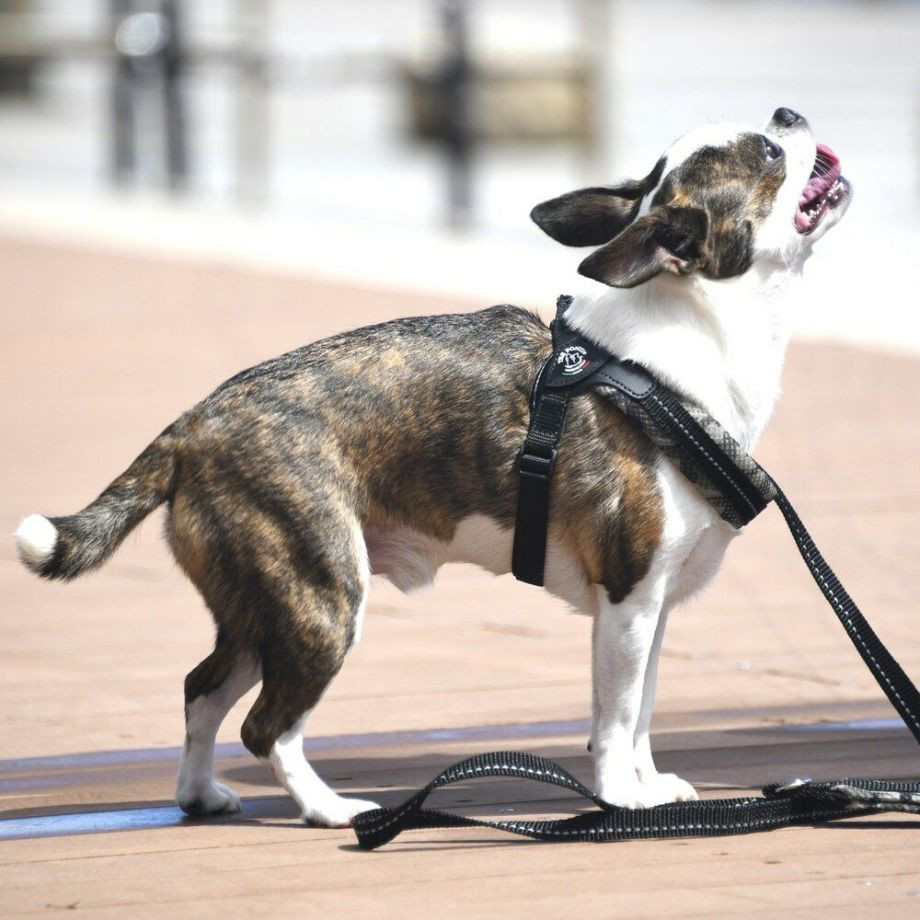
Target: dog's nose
column 786, row 117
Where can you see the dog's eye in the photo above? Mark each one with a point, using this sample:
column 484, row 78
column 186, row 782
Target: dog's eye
column 772, row 151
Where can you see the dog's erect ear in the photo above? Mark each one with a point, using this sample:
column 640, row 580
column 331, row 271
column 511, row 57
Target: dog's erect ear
column 589, row 216
column 593, row 216
column 667, row 239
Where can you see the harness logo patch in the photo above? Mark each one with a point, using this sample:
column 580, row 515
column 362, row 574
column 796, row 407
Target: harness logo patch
column 573, row 360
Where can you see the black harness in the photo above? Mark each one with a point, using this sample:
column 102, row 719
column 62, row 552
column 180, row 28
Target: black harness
column 739, row 489
column 733, row 482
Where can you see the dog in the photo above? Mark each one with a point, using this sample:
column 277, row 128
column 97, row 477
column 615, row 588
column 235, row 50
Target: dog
column 391, row 450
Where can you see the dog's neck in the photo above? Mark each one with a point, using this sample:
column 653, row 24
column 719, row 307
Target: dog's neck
column 720, row 344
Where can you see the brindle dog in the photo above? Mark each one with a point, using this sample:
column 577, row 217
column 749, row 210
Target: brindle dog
column 391, row 449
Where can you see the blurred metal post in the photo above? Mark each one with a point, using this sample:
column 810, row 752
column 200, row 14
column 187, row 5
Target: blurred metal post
column 17, row 76
column 149, row 63
column 595, row 26
column 252, row 117
column 124, row 128
column 172, row 57
column 455, row 78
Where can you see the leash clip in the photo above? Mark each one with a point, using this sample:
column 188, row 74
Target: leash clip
column 789, row 788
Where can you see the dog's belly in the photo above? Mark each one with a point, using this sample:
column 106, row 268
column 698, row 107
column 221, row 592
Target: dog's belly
column 410, row 559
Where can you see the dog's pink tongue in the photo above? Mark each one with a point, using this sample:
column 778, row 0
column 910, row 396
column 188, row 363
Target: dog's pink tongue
column 825, row 173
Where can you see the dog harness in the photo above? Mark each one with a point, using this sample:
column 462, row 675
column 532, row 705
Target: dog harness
column 739, row 489
column 732, row 481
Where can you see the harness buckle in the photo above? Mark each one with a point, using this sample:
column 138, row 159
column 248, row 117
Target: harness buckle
column 534, row 465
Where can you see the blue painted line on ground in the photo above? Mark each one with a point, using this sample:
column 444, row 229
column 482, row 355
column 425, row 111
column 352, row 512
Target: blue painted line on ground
column 870, row 725
column 18, row 783
column 92, row 822
column 324, row 743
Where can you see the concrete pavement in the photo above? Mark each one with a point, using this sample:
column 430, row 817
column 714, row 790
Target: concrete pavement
column 100, row 351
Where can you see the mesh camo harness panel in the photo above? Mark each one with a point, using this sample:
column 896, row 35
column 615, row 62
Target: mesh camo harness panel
column 739, row 489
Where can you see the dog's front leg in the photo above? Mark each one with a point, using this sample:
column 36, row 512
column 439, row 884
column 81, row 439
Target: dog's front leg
column 663, row 787
column 623, row 641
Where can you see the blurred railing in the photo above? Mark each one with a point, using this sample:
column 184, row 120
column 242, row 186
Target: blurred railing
column 456, row 102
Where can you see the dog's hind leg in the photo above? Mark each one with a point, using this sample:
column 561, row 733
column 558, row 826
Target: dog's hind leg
column 273, row 730
column 318, row 803
column 211, row 690
column 304, row 644
column 283, row 567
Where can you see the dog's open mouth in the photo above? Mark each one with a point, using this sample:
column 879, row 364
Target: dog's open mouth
column 825, row 189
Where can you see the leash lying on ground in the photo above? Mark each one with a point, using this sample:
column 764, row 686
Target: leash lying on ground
column 739, row 489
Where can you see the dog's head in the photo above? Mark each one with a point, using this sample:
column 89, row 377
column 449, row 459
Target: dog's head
column 722, row 197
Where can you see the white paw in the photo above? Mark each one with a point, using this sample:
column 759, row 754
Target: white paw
column 668, row 787
column 213, row 799
column 655, row 790
column 336, row 811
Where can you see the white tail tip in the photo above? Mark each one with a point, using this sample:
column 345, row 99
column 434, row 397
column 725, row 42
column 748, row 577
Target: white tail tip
column 36, row 539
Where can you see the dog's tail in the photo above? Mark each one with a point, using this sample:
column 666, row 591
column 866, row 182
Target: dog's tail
column 64, row 547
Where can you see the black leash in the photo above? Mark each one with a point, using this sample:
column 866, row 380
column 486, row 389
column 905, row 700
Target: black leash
column 782, row 805
column 803, row 802
column 889, row 675
column 739, row 489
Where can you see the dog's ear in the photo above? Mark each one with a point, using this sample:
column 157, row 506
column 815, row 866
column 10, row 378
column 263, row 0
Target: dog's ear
column 593, row 216
column 667, row 239
column 589, row 216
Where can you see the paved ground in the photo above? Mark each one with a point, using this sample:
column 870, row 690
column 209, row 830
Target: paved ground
column 758, row 681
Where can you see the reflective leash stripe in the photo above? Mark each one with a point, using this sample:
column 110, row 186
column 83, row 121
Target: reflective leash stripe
column 889, row 675
column 739, row 488
column 780, row 806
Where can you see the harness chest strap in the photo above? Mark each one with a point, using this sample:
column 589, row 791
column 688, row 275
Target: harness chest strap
column 739, row 489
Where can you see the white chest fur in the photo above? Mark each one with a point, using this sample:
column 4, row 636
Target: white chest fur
column 721, row 344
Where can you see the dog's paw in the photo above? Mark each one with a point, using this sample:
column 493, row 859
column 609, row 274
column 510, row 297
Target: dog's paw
column 336, row 811
column 657, row 790
column 668, row 787
column 213, row 799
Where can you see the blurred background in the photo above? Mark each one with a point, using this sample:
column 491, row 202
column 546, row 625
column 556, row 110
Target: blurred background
column 403, row 142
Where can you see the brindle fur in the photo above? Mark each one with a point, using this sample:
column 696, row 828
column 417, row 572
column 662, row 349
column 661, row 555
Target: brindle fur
column 411, row 424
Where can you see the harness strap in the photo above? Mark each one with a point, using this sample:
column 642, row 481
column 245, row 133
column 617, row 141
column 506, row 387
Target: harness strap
column 536, row 461
column 782, row 804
